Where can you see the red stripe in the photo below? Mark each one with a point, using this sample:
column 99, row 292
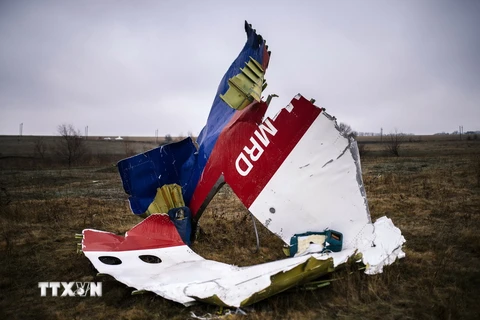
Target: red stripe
column 156, row 231
column 290, row 125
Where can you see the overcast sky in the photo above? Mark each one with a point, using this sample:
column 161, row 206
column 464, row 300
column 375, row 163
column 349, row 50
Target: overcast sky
column 131, row 67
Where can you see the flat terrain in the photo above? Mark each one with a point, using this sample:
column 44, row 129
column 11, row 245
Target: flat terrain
column 431, row 192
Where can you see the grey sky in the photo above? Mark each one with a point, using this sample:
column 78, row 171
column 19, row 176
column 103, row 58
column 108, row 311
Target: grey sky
column 131, row 67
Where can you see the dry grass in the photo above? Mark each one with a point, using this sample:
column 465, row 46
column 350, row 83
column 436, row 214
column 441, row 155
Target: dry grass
column 431, row 192
column 23, row 152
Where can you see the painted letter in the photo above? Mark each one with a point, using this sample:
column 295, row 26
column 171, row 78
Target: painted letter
column 246, row 161
column 251, row 152
column 262, row 136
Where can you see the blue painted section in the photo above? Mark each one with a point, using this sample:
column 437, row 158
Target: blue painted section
column 179, row 162
column 333, row 241
column 144, row 173
column 182, row 219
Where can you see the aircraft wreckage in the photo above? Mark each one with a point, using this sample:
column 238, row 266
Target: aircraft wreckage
column 297, row 173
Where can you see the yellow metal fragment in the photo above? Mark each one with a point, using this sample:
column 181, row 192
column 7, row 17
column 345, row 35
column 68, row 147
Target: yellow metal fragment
column 168, row 197
column 137, row 292
column 246, row 86
column 301, row 274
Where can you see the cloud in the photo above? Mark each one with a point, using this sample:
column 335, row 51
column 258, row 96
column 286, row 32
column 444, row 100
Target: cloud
column 129, row 68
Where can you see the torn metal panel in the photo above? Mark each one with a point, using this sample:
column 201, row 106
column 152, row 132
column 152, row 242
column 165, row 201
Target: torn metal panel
column 296, row 172
column 144, row 173
column 322, row 190
column 220, row 294
column 246, row 86
column 179, row 274
column 181, row 163
column 183, row 276
column 169, row 196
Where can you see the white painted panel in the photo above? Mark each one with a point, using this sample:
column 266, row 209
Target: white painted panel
column 316, row 187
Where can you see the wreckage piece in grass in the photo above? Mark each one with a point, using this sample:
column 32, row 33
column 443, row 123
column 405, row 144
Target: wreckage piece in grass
column 152, row 257
column 296, row 172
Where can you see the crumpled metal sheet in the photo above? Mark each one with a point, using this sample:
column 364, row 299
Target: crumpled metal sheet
column 296, row 172
column 181, row 163
column 185, row 277
column 181, row 275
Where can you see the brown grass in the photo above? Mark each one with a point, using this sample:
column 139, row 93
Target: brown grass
column 431, row 192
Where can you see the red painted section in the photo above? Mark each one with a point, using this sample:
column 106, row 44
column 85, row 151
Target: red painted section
column 156, row 231
column 291, row 126
column 266, row 58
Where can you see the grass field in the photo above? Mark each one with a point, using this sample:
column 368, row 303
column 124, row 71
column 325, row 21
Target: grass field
column 431, row 192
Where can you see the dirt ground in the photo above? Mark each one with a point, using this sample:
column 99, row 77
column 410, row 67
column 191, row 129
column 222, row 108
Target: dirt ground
column 431, row 192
